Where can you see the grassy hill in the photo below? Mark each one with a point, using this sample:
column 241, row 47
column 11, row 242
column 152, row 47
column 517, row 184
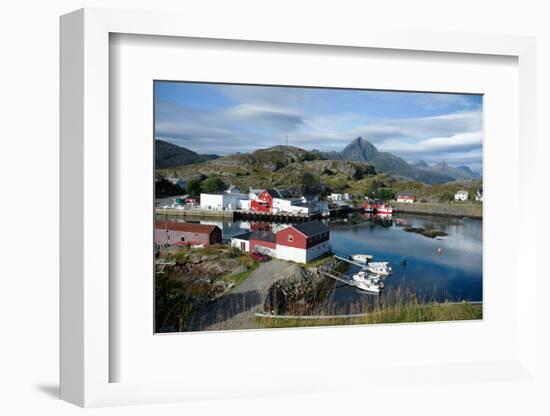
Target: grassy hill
column 169, row 155
column 294, row 168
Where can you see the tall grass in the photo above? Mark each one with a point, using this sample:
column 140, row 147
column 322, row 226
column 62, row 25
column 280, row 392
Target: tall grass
column 431, row 312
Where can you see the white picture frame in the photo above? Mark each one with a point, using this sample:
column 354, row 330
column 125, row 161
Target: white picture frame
column 85, row 211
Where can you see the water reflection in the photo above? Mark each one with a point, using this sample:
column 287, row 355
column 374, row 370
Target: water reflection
column 449, row 268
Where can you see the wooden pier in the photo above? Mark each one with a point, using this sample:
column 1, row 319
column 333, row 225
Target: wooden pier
column 197, row 214
column 341, row 277
column 282, row 217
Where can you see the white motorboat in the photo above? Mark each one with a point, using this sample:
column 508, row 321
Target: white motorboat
column 380, row 269
column 376, row 278
column 380, row 263
column 361, row 258
column 360, row 277
column 368, row 286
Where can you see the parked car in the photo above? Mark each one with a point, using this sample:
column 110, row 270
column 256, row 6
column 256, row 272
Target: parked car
column 260, row 257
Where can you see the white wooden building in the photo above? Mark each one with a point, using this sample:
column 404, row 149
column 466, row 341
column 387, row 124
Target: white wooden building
column 461, row 195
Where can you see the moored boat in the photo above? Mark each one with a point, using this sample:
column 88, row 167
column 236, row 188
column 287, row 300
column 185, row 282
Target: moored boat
column 368, row 287
column 361, row 258
column 384, row 209
column 379, row 269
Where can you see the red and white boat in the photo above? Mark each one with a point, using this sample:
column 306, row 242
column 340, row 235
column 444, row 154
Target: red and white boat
column 384, row 209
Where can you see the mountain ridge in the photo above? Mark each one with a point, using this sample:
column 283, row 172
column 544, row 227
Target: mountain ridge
column 168, row 155
column 458, row 173
column 361, row 150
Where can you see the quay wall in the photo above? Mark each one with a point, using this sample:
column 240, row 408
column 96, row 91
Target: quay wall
column 445, row 210
column 197, row 214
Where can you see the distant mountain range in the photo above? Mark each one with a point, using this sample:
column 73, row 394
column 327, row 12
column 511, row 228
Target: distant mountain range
column 168, row 155
column 360, row 150
column 457, row 173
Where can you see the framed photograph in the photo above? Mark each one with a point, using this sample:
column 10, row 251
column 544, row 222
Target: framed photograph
column 239, row 208
column 282, row 207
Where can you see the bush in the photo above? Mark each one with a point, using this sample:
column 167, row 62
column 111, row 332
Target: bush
column 194, row 188
column 446, row 196
column 213, row 185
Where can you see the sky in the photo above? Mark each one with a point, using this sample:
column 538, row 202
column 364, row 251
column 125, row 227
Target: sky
column 224, row 118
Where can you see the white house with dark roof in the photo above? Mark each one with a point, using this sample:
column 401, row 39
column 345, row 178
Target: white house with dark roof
column 233, row 189
column 461, row 195
column 242, row 242
column 178, row 182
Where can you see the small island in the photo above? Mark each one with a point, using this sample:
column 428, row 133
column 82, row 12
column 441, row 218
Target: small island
column 426, row 232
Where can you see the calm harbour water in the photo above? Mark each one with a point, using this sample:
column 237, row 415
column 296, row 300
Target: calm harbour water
column 453, row 273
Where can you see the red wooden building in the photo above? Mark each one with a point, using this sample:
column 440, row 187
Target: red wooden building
column 264, row 201
column 263, row 242
column 184, row 233
column 303, row 242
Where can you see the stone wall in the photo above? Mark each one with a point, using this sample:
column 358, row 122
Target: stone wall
column 452, row 209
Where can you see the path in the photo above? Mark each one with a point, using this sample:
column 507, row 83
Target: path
column 236, row 309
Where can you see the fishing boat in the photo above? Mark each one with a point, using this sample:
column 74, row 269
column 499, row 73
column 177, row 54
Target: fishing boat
column 368, row 207
column 384, row 209
column 361, row 258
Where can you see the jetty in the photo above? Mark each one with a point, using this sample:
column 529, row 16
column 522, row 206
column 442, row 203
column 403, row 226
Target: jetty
column 330, row 270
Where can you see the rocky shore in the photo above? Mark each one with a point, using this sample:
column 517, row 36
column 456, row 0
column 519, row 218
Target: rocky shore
column 300, row 293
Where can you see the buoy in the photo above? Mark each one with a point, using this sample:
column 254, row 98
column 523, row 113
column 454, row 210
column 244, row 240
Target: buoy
column 439, row 250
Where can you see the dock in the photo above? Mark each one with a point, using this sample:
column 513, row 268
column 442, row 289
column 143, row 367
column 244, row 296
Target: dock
column 331, row 273
column 229, row 215
column 197, row 214
column 281, row 217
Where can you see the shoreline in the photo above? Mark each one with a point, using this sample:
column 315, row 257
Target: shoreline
column 440, row 210
column 474, row 211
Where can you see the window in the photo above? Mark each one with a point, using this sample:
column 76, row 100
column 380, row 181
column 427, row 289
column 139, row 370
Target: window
column 290, row 238
column 183, row 239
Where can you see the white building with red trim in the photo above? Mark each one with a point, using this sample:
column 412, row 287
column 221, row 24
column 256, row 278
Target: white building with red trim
column 407, row 197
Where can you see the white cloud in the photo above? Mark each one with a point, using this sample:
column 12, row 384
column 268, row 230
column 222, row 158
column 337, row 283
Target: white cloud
column 264, row 116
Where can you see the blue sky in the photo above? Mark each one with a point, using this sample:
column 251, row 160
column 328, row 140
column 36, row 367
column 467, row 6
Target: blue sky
column 223, row 119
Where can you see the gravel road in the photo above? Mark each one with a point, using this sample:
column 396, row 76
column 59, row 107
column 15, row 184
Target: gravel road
column 236, row 309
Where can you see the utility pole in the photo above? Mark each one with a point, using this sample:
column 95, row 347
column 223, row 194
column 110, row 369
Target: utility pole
column 287, row 140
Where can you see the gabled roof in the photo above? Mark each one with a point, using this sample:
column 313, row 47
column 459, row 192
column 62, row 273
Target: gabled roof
column 405, row 193
column 268, row 236
column 310, row 197
column 244, row 236
column 233, row 189
column 185, row 227
column 285, row 193
column 309, row 229
column 279, row 193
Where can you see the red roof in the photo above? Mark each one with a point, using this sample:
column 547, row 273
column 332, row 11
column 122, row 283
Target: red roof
column 185, row 226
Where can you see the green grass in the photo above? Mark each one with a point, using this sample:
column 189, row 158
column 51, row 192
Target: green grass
column 241, row 277
column 319, row 261
column 431, row 312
